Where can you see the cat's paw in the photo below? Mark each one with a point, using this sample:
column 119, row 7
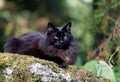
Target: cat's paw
column 63, row 65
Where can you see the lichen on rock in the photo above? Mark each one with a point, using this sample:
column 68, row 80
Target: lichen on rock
column 22, row 68
column 47, row 74
column 8, row 72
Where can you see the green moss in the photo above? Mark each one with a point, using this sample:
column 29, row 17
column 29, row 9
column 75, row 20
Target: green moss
column 20, row 64
column 21, row 73
column 2, row 67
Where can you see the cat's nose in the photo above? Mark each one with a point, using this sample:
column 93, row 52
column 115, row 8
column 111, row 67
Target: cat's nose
column 61, row 42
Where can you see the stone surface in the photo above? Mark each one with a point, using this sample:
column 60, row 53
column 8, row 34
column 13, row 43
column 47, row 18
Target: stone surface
column 21, row 68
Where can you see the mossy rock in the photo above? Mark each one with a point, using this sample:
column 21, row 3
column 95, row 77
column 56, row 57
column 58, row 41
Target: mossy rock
column 22, row 68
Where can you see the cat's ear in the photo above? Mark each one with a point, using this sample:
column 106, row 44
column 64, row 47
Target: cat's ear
column 50, row 27
column 67, row 27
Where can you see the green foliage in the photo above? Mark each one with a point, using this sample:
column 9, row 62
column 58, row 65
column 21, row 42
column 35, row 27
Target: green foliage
column 115, row 4
column 101, row 68
column 81, row 17
column 101, row 20
column 117, row 72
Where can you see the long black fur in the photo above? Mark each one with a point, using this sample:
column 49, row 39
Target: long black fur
column 57, row 45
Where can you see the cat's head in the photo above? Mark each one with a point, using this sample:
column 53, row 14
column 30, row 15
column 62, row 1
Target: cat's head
column 59, row 37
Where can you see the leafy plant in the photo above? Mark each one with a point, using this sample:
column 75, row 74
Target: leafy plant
column 101, row 68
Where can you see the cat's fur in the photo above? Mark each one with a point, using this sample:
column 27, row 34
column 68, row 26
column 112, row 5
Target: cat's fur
column 57, row 45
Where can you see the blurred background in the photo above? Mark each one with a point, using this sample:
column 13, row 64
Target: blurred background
column 92, row 20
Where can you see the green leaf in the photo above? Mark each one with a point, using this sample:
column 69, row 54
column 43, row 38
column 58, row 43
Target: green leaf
column 101, row 68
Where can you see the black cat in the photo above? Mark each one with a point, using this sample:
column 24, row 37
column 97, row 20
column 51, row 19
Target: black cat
column 57, row 45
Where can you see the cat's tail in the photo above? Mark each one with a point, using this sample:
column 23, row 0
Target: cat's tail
column 12, row 45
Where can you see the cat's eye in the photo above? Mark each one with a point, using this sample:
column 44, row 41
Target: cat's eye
column 55, row 37
column 65, row 37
